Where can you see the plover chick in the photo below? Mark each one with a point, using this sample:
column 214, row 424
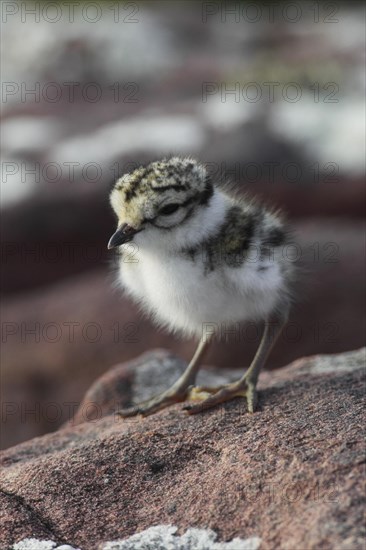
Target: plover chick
column 200, row 256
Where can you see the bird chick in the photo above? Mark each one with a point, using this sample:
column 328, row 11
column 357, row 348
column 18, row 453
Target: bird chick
column 202, row 257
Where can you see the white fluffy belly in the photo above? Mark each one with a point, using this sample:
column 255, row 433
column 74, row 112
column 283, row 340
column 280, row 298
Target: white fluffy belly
column 183, row 298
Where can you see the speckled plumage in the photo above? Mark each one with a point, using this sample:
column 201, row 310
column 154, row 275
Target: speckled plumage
column 216, row 239
column 202, row 256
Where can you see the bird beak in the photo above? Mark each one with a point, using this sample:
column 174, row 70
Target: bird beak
column 123, row 235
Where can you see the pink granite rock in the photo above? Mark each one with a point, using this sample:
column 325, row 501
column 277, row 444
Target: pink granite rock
column 291, row 474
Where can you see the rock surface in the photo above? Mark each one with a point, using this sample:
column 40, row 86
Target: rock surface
column 290, row 475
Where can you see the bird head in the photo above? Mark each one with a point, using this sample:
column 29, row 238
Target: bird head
column 159, row 198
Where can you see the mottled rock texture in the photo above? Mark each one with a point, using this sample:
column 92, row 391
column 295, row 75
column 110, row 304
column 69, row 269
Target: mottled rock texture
column 291, row 474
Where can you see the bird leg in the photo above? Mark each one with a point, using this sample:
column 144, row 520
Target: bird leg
column 177, row 393
column 245, row 386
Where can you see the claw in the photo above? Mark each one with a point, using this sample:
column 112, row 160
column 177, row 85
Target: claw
column 154, row 404
column 227, row 393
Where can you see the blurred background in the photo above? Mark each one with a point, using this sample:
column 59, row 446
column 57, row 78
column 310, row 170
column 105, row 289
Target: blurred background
column 270, row 96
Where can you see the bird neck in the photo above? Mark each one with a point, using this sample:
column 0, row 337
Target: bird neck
column 206, row 221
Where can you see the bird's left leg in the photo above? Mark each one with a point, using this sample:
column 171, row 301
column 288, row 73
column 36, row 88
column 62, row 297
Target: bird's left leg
column 246, row 385
column 178, row 392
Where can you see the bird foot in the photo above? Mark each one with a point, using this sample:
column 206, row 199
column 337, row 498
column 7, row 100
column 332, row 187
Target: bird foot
column 155, row 404
column 209, row 397
column 204, row 396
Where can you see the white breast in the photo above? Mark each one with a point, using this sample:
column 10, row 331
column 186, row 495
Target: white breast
column 183, row 298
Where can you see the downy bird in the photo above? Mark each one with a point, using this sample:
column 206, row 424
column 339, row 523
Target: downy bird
column 202, row 254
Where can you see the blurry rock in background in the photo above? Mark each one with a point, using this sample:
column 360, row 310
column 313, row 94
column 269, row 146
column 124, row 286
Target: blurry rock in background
column 273, row 100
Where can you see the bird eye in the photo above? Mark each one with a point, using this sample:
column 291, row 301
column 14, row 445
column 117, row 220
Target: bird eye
column 169, row 209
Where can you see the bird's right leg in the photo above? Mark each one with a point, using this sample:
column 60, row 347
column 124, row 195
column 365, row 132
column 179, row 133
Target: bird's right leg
column 177, row 393
column 246, row 385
